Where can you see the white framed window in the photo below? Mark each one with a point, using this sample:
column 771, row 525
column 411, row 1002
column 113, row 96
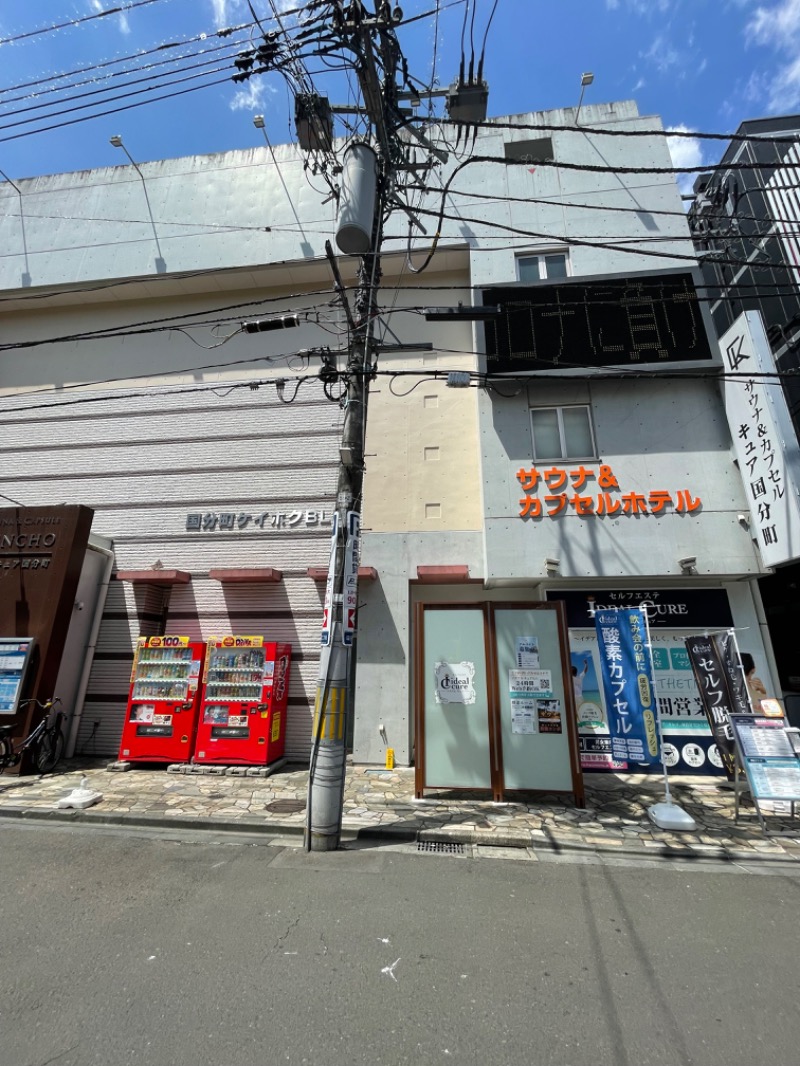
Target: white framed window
column 543, row 265
column 562, row 433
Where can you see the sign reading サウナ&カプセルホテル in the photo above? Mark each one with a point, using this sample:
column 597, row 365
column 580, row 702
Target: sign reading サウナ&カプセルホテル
column 594, row 491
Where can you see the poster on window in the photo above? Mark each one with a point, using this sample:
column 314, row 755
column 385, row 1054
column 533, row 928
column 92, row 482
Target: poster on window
column 688, row 745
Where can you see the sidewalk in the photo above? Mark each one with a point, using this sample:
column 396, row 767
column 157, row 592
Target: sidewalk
column 380, row 805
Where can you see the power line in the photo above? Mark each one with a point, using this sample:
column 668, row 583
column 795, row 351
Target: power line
column 134, row 55
column 605, row 131
column 131, row 5
column 480, row 378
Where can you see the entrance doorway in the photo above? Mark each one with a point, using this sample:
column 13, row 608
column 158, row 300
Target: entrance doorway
column 494, row 704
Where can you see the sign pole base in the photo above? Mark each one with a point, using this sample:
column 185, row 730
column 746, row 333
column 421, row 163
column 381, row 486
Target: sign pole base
column 671, row 816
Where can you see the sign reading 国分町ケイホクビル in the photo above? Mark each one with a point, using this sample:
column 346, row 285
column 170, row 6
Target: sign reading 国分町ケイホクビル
column 629, row 686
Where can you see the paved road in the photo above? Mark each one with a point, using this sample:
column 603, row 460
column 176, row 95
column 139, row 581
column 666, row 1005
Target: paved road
column 124, row 949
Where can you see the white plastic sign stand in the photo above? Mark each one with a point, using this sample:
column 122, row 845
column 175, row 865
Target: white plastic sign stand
column 666, row 815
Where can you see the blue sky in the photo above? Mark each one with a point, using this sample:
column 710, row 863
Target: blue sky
column 700, row 64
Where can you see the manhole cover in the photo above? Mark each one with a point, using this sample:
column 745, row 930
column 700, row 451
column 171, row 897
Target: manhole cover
column 441, row 846
column 286, row 806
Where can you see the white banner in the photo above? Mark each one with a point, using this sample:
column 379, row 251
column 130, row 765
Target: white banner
column 764, row 439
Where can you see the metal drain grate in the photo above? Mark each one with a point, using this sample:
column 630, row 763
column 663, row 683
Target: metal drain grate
column 441, row 846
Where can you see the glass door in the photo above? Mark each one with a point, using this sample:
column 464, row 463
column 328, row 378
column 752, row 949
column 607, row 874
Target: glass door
column 536, row 718
column 454, row 738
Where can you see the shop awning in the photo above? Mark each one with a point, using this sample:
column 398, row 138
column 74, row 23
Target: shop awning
column 155, row 577
column 260, row 575
column 365, row 573
column 442, row 575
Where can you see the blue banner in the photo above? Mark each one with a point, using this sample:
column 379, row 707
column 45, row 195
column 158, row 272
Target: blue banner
column 628, row 685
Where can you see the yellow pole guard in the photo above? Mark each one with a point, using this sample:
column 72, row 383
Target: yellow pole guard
column 333, row 715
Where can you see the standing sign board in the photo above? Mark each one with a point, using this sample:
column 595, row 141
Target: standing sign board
column 764, row 439
column 15, row 657
column 629, row 685
column 769, row 759
column 722, row 687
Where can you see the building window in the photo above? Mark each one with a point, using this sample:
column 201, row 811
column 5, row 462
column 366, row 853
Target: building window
column 562, row 433
column 542, row 266
column 539, row 150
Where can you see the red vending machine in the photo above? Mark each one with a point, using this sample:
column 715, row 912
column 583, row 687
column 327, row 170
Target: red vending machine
column 164, row 702
column 243, row 717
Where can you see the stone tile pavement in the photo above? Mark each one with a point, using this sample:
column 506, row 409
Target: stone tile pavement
column 381, row 805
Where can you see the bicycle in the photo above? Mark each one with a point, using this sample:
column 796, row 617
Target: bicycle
column 47, row 740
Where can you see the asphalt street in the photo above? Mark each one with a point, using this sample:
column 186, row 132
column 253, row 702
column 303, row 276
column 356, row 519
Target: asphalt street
column 121, row 948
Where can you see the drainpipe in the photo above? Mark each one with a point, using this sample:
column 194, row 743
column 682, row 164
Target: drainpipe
column 83, row 684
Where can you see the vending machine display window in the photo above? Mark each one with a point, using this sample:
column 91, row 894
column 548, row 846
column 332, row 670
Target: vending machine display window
column 243, row 717
column 164, row 702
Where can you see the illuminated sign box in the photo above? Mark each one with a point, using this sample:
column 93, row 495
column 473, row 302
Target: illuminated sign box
column 590, row 324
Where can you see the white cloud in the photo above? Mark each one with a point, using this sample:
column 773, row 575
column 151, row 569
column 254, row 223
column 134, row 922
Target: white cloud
column 777, row 27
column 226, row 11
column 772, row 25
column 124, row 25
column 685, row 152
column 252, row 97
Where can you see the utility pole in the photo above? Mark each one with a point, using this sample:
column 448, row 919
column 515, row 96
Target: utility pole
column 368, row 190
column 329, row 752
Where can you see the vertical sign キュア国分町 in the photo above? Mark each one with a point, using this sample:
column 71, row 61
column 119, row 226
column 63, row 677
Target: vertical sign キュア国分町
column 629, row 686
column 764, row 439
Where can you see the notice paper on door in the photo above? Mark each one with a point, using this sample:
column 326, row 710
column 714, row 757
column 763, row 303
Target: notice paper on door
column 523, row 716
column 548, row 713
column 528, row 653
column 530, row 682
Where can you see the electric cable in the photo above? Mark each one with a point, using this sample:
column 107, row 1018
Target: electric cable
column 129, row 5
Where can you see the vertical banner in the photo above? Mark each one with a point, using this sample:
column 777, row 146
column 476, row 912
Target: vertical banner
column 352, row 554
column 327, row 611
column 722, row 686
column 728, row 652
column 628, row 684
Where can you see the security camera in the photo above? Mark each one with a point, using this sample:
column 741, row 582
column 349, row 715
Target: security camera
column 689, row 563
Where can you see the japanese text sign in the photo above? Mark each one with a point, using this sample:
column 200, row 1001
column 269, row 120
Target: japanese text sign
column 722, row 688
column 628, row 684
column 589, row 492
column 764, row 439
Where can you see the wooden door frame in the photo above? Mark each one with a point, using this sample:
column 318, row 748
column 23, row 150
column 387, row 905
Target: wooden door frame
column 420, row 784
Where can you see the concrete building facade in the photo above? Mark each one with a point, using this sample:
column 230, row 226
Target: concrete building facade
column 127, row 385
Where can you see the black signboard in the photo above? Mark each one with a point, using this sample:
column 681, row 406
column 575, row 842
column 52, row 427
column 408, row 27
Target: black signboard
column 599, row 323
column 666, row 608
column 728, row 653
column 720, row 682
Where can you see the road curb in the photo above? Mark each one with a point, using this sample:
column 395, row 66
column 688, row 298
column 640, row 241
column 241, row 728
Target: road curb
column 505, row 838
